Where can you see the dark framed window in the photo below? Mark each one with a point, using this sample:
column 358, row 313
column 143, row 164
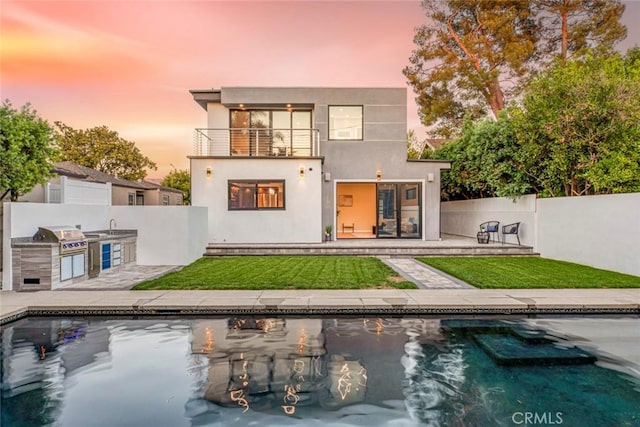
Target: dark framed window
column 131, row 199
column 270, row 132
column 346, row 122
column 165, row 200
column 256, row 194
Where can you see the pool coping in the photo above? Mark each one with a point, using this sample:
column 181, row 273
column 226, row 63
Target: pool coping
column 17, row 305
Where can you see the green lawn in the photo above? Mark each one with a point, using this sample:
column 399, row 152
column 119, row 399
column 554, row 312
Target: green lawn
column 529, row 272
column 281, row 272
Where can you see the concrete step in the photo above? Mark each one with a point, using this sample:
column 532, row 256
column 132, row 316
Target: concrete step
column 492, row 250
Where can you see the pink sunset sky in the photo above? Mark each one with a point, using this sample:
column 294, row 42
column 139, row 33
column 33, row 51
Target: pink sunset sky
column 129, row 65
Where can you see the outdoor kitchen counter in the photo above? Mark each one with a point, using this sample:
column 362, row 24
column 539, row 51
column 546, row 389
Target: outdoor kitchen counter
column 21, row 242
column 99, row 235
column 91, row 236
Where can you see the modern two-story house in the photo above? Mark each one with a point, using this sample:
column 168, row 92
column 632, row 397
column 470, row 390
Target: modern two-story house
column 278, row 165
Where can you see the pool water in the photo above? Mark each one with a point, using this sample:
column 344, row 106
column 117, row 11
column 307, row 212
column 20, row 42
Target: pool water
column 317, row 372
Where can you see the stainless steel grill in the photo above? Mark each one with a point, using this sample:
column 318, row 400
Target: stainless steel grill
column 70, row 238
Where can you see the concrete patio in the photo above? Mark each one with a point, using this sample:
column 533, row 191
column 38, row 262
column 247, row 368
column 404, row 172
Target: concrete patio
column 16, row 305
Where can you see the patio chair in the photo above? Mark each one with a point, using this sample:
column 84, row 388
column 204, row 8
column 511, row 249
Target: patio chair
column 491, row 227
column 511, row 229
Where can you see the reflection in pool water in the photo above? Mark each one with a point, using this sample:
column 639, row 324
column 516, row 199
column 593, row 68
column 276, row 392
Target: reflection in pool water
column 311, row 371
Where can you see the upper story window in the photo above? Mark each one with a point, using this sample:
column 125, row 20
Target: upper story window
column 345, row 122
column 251, row 195
column 270, row 133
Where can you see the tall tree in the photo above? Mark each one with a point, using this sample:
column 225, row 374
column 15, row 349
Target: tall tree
column 180, row 179
column 27, row 150
column 473, row 55
column 465, row 54
column 103, row 149
column 569, row 27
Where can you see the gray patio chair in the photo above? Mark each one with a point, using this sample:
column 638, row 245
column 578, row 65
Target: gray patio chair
column 491, row 227
column 511, row 229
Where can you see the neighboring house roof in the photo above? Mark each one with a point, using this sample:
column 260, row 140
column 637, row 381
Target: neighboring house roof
column 435, row 143
column 153, row 185
column 74, row 170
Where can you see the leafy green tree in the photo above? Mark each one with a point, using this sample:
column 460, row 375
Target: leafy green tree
column 103, row 149
column 180, row 179
column 27, row 150
column 484, row 161
column 579, row 129
column 464, row 54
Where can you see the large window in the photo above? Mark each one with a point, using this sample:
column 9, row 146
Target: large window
column 264, row 194
column 345, row 122
column 270, row 132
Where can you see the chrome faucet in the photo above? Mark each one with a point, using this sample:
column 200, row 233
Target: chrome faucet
column 112, row 221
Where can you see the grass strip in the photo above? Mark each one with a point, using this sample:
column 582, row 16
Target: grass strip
column 281, row 272
column 529, row 273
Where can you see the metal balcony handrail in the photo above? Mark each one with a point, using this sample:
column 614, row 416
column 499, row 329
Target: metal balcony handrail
column 261, row 142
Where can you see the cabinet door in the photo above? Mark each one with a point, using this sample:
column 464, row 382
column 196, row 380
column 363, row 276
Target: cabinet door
column 130, row 252
column 78, row 265
column 117, row 254
column 106, row 256
column 66, row 268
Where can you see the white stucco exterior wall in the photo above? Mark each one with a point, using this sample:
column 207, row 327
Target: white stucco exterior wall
column 463, row 217
column 600, row 231
column 167, row 235
column 299, row 222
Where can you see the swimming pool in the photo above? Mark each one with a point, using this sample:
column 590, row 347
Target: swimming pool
column 342, row 371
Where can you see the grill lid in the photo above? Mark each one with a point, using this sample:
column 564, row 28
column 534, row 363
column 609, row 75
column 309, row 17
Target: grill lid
column 59, row 233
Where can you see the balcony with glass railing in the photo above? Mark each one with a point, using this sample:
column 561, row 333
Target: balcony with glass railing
column 258, row 142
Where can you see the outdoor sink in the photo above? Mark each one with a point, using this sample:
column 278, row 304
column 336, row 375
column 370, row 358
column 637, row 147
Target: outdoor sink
column 95, row 235
column 107, row 233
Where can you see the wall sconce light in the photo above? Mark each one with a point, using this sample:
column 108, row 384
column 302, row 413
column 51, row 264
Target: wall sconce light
column 430, row 177
column 378, row 175
column 208, row 172
column 301, row 172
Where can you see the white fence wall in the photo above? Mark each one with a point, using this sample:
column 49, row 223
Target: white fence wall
column 85, row 193
column 600, row 231
column 167, row 235
column 463, row 217
column 25, row 218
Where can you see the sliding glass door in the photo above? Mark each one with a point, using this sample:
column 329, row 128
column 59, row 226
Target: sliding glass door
column 270, row 133
column 399, row 210
column 387, row 210
column 410, row 212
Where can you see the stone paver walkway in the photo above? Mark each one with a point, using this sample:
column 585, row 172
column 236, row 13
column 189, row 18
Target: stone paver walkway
column 121, row 278
column 424, row 276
